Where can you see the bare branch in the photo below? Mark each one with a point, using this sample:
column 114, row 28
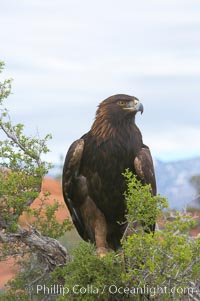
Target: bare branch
column 190, row 266
column 37, row 189
column 12, row 135
column 49, row 250
column 192, row 298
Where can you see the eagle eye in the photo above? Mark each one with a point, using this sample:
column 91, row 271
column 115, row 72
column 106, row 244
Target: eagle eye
column 121, row 102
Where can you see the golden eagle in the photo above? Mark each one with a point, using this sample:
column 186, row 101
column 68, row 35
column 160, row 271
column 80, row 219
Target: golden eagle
column 93, row 184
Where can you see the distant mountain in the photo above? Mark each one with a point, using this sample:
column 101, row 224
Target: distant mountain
column 172, row 181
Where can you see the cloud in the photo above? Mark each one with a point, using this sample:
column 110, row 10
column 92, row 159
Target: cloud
column 67, row 56
column 174, row 144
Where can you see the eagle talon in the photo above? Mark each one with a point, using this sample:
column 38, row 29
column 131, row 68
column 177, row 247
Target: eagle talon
column 102, row 252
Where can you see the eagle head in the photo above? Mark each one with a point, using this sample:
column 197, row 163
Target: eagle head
column 120, row 106
column 113, row 112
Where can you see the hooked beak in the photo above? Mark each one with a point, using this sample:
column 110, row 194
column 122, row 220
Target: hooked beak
column 140, row 107
column 135, row 106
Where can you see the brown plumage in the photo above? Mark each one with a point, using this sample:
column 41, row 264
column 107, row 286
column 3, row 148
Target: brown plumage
column 93, row 184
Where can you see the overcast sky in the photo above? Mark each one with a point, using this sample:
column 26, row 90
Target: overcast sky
column 67, row 56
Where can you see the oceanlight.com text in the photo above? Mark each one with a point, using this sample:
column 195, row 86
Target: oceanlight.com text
column 56, row 289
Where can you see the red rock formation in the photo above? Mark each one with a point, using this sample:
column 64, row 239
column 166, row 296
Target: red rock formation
column 8, row 268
